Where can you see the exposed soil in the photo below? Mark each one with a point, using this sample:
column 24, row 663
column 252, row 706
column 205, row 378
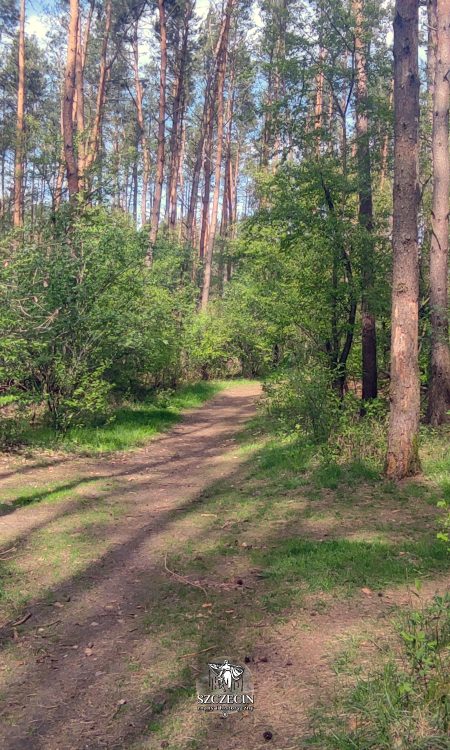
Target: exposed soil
column 84, row 672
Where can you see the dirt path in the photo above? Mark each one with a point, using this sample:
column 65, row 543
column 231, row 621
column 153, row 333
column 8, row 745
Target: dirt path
column 61, row 690
column 109, row 655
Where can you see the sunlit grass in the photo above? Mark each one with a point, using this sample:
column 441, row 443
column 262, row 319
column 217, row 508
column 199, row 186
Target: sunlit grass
column 130, row 425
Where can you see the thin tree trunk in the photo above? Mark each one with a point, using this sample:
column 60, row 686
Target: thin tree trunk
column 181, row 178
column 439, row 392
column 20, row 125
column 402, row 453
column 177, row 118
column 203, row 146
column 79, row 96
column 62, row 166
column 142, row 129
column 217, row 173
column 94, row 140
column 318, row 105
column 207, row 172
column 69, row 90
column 385, row 150
column 221, row 68
column 369, row 336
column 160, row 159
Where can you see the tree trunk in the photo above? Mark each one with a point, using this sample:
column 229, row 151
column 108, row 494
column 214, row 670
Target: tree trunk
column 221, row 67
column 402, row 453
column 93, row 146
column 178, row 106
column 69, row 90
column 79, row 96
column 160, row 159
column 20, row 125
column 141, row 126
column 439, row 392
column 369, row 338
column 318, row 104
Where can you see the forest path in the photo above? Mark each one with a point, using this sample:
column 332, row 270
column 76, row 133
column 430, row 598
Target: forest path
column 62, row 668
column 144, row 566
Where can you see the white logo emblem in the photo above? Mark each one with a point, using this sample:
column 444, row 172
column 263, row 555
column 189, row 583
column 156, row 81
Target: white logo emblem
column 226, row 676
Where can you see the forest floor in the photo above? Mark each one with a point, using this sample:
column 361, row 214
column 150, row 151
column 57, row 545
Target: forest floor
column 123, row 575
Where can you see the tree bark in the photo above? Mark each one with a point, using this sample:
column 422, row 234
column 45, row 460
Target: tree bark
column 318, row 104
column 369, row 337
column 20, row 125
column 69, row 91
column 439, row 391
column 93, row 146
column 221, row 68
column 79, row 106
column 178, row 106
column 141, row 126
column 402, row 453
column 160, row 158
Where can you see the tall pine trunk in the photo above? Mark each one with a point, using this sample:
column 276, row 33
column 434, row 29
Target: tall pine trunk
column 141, row 126
column 439, row 392
column 402, row 453
column 94, row 141
column 160, row 158
column 221, row 67
column 369, row 337
column 69, row 91
column 20, row 124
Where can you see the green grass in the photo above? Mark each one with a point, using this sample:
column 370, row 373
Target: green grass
column 10, row 501
column 403, row 700
column 130, row 425
column 322, row 566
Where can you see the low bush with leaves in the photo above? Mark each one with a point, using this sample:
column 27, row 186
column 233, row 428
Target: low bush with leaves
column 304, row 401
column 79, row 315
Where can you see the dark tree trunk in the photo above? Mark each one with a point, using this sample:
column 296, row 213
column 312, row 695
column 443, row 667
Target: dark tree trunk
column 369, row 337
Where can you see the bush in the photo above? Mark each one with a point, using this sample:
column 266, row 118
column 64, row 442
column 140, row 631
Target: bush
column 304, row 400
column 81, row 315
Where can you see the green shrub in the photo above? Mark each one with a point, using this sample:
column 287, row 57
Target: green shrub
column 303, row 400
column 81, row 315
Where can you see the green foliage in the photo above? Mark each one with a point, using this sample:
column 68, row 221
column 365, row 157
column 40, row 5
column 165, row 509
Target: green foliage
column 127, row 426
column 304, row 401
column 405, row 703
column 81, row 316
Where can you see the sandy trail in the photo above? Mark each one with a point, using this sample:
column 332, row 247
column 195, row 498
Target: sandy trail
column 64, row 689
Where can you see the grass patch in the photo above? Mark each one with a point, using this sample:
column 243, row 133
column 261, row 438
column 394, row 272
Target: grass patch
column 322, row 566
column 130, row 425
column 52, row 493
column 62, row 548
column 404, row 702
